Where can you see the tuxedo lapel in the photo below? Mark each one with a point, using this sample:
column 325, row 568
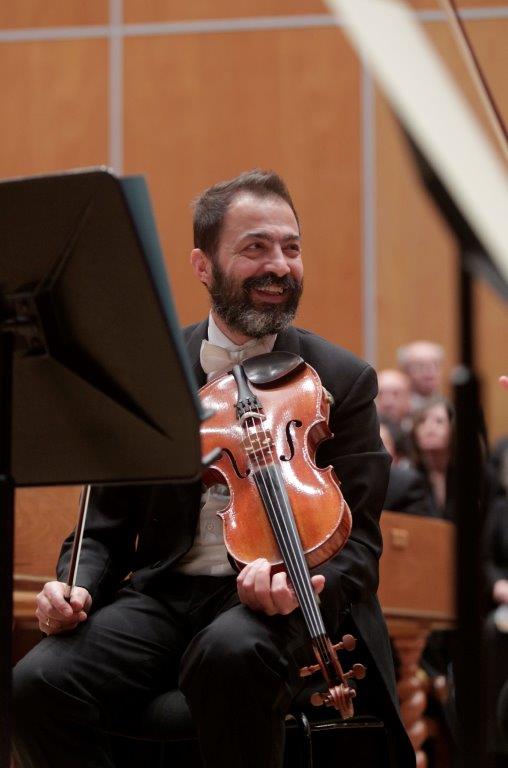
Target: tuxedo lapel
column 287, row 341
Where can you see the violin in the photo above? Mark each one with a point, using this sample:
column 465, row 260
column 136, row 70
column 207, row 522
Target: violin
column 270, row 414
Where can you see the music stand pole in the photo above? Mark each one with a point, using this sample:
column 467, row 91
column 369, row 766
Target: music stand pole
column 468, row 658
column 6, row 543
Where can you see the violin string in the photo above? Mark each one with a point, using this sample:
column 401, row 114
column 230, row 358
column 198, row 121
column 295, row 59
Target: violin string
column 271, row 499
column 308, row 592
column 309, row 606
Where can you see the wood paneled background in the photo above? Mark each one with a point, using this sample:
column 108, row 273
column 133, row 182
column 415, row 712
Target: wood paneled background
column 189, row 93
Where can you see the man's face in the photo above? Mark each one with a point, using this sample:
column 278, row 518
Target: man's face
column 256, row 277
column 393, row 400
column 424, row 368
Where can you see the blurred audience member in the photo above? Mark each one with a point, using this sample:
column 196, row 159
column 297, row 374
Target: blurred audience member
column 422, row 361
column 406, row 488
column 394, row 405
column 432, row 442
column 394, row 397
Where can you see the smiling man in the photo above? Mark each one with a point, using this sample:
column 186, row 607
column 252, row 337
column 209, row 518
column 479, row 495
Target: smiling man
column 159, row 604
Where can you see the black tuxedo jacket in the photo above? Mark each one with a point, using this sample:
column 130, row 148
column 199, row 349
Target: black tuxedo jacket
column 144, row 530
column 407, row 492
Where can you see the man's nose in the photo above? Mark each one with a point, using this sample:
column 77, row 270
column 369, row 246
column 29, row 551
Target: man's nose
column 278, row 263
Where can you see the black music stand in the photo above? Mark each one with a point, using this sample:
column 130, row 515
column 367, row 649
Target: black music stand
column 95, row 384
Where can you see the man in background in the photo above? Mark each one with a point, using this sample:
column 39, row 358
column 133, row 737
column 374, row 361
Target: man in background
column 422, row 362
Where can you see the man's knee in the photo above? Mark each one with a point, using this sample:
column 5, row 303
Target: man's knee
column 232, row 656
column 29, row 685
column 42, row 683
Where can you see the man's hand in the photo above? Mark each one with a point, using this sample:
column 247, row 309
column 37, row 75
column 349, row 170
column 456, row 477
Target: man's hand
column 503, row 380
column 270, row 595
column 55, row 613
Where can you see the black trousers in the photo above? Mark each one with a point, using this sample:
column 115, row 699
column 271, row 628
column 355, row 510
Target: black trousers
column 238, row 670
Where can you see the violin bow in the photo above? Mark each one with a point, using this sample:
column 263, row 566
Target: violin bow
column 477, row 76
column 78, row 539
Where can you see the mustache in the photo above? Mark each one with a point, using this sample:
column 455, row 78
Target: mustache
column 287, row 283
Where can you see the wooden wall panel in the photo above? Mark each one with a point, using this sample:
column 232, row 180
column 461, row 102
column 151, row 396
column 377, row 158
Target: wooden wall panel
column 203, row 108
column 416, row 259
column 182, row 10
column 56, row 13
column 44, row 517
column 54, row 99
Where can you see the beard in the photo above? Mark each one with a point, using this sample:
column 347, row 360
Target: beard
column 231, row 301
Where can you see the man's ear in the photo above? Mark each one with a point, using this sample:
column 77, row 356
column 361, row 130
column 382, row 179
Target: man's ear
column 201, row 265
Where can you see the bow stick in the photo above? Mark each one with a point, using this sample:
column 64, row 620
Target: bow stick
column 78, row 539
column 477, row 76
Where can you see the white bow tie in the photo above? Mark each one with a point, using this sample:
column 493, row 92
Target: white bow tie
column 215, row 359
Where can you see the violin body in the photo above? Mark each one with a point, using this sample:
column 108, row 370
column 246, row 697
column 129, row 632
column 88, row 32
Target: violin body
column 296, row 412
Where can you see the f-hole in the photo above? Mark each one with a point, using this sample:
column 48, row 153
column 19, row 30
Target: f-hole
column 289, row 438
column 235, row 465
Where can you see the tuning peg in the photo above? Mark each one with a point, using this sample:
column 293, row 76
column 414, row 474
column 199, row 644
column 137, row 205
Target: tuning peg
column 348, row 643
column 318, row 699
column 358, row 671
column 308, row 671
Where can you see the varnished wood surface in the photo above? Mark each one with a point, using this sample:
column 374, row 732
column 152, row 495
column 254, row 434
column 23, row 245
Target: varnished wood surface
column 181, row 10
column 417, row 570
column 43, row 518
column 322, row 518
column 54, row 114
column 57, row 13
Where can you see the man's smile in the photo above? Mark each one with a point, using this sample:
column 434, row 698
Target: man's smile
column 269, row 294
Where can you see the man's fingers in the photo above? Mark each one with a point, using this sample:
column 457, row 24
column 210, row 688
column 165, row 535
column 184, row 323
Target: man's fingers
column 261, row 591
column 262, row 588
column 283, row 594
column 55, row 613
column 318, row 582
column 54, row 591
column 253, row 585
column 80, row 599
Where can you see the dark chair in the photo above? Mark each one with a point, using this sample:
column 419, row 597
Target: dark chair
column 167, row 724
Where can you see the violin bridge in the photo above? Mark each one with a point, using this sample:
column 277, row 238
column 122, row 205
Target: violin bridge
column 257, row 442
